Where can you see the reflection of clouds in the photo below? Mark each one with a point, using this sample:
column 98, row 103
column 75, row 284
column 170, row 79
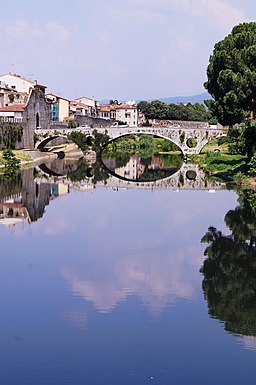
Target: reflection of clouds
column 57, row 226
column 248, row 342
column 157, row 280
column 76, row 318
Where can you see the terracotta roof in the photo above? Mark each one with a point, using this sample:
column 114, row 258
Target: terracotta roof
column 126, row 107
column 56, row 96
column 13, row 108
column 79, row 105
column 85, row 97
column 107, row 107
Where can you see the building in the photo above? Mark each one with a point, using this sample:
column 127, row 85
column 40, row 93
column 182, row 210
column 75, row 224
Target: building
column 59, row 107
column 78, row 109
column 128, row 114
column 18, row 83
column 13, row 112
column 141, row 118
column 107, row 111
column 89, row 105
column 32, row 115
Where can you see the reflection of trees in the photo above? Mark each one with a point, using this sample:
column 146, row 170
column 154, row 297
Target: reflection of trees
column 11, row 185
column 229, row 271
column 100, row 174
column 80, row 173
column 84, row 171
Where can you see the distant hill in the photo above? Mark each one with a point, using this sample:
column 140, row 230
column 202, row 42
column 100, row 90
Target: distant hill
column 200, row 98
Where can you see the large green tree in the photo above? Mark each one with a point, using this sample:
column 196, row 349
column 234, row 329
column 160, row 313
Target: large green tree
column 231, row 75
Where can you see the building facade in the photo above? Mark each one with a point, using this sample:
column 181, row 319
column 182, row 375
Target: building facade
column 59, row 107
column 128, row 114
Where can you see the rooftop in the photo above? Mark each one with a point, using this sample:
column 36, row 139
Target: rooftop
column 13, row 108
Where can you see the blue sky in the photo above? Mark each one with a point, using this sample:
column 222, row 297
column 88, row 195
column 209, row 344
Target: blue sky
column 121, row 49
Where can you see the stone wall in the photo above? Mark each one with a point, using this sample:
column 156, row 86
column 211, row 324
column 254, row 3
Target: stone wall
column 35, row 115
column 95, row 122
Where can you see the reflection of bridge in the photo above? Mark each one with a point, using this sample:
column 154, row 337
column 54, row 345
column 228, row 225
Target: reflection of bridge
column 188, row 177
column 179, row 134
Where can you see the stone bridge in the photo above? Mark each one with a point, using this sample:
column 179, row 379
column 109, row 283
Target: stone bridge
column 177, row 133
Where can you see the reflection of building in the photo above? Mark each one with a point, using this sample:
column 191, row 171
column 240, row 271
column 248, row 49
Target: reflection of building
column 28, row 204
column 13, row 211
column 58, row 189
column 132, row 170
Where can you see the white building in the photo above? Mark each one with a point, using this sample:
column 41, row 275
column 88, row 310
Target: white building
column 18, row 83
column 13, row 112
column 128, row 114
column 89, row 104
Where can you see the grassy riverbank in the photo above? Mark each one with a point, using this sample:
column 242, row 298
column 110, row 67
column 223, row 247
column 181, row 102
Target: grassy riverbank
column 217, row 162
column 22, row 156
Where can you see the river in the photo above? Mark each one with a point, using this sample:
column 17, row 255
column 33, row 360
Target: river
column 113, row 285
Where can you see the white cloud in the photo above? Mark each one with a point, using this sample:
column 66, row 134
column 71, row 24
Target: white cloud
column 24, row 31
column 58, row 31
column 219, row 12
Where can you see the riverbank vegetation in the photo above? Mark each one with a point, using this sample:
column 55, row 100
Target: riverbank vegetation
column 143, row 144
column 19, row 155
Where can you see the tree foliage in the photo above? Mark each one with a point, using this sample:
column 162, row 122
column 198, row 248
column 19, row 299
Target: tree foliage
column 100, row 141
column 80, row 139
column 11, row 134
column 231, row 75
column 243, row 139
column 160, row 110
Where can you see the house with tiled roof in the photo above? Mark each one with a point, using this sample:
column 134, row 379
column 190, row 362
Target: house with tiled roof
column 107, row 111
column 13, row 111
column 31, row 115
column 59, row 107
column 127, row 113
column 18, row 83
column 89, row 104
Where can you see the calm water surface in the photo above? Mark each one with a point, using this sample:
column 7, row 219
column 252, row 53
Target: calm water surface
column 103, row 286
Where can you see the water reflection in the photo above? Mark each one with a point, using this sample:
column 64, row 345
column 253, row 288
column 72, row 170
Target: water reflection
column 24, row 196
column 22, row 199
column 229, row 271
column 157, row 280
column 137, row 168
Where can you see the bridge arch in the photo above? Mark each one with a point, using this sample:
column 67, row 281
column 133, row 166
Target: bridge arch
column 158, row 135
column 44, row 141
column 220, row 135
column 41, row 144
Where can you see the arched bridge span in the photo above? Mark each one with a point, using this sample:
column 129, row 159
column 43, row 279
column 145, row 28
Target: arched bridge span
column 178, row 135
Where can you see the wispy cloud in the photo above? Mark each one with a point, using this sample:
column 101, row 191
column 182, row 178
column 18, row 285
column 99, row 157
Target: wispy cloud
column 24, row 31
column 223, row 13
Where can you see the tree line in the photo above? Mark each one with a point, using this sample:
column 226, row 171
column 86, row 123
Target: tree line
column 157, row 109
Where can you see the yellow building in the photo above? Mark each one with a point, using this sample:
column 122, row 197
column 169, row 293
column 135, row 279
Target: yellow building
column 59, row 107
